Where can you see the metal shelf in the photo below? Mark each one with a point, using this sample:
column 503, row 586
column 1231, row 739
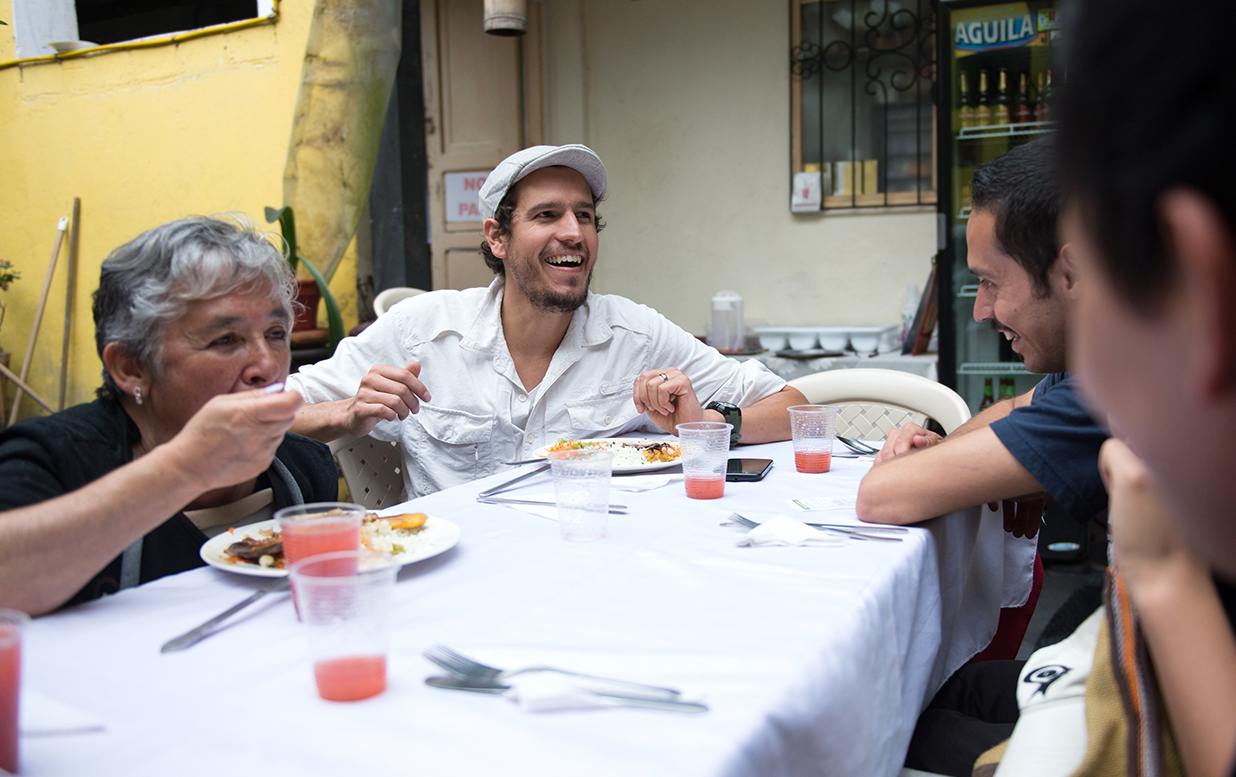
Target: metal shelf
column 993, row 368
column 1005, row 130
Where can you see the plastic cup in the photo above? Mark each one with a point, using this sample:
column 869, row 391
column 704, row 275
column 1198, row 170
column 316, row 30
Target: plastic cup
column 813, row 428
column 581, row 489
column 11, row 624
column 345, row 603
column 317, row 527
column 705, row 452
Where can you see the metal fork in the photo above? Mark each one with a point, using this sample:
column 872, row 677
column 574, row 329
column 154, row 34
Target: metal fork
column 750, row 524
column 857, row 446
column 483, row 674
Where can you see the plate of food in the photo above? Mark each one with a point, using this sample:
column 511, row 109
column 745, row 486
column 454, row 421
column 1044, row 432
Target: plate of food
column 257, row 549
column 631, row 454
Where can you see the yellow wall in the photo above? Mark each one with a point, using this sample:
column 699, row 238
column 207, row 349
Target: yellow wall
column 142, row 137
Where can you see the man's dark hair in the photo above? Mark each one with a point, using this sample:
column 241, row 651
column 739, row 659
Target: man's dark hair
column 1137, row 120
column 503, row 214
column 1023, row 191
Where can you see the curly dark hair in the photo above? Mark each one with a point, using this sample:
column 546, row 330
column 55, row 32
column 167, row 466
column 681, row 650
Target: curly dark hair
column 503, row 214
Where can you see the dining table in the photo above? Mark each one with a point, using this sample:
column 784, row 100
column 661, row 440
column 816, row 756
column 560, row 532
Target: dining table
column 811, row 659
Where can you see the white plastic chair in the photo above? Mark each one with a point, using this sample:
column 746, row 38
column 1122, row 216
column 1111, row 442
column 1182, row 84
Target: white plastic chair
column 874, row 402
column 388, row 297
column 372, row 469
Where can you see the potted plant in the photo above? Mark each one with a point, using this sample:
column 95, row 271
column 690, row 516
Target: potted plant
column 334, row 321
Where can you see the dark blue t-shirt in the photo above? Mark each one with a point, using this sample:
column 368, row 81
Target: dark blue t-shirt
column 1055, row 439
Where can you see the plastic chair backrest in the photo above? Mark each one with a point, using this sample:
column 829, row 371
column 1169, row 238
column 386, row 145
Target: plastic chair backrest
column 372, row 469
column 388, row 297
column 874, row 402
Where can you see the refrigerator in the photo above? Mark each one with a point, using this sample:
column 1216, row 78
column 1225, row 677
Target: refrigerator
column 994, row 79
column 997, row 71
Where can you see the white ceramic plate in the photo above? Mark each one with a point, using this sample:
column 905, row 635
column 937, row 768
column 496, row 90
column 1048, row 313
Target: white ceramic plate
column 438, row 536
column 543, row 452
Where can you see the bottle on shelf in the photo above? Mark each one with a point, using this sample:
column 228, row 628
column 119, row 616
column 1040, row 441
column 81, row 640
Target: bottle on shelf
column 965, row 115
column 1023, row 114
column 1042, row 106
column 1008, row 388
column 982, row 108
column 989, row 398
column 1001, row 114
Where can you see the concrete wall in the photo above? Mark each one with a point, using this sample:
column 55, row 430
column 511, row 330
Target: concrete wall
column 688, row 104
column 142, row 137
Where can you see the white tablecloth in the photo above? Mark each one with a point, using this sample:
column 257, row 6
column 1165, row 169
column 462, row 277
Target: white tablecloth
column 813, row 660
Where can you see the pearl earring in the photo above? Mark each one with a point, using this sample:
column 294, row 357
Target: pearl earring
column 137, row 394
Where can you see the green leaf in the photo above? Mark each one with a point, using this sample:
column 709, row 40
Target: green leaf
column 334, row 320
column 287, row 225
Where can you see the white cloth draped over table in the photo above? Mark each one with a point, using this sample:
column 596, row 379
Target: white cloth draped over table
column 814, row 660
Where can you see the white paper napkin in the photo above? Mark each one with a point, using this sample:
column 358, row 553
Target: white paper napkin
column 784, row 530
column 549, row 692
column 541, row 511
column 641, row 482
column 40, row 715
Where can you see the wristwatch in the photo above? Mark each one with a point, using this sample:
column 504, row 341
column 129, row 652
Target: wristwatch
column 732, row 414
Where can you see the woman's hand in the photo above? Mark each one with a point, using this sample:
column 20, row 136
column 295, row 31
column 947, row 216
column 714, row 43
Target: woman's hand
column 232, row 438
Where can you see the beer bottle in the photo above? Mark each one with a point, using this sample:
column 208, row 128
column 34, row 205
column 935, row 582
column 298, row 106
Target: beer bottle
column 988, row 397
column 1002, row 98
column 1023, row 114
column 982, row 111
column 965, row 115
column 1042, row 109
column 1008, row 388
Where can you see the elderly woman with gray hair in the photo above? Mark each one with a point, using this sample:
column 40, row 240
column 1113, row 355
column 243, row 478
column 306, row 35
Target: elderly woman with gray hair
column 189, row 434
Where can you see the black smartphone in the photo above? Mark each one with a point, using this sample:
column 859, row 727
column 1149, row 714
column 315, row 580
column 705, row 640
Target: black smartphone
column 747, row 469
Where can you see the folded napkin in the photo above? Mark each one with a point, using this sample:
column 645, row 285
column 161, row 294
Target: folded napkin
column 549, row 692
column 784, row 530
column 641, row 482
column 541, row 511
column 40, row 715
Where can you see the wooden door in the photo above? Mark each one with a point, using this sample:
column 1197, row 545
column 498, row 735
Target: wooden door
column 483, row 102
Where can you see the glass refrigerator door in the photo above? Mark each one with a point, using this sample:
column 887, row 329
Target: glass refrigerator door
column 997, row 79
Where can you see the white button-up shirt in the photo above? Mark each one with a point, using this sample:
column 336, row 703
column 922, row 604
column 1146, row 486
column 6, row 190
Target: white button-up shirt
column 481, row 415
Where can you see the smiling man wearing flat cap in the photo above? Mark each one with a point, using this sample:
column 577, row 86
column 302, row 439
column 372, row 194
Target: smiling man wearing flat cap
column 466, row 380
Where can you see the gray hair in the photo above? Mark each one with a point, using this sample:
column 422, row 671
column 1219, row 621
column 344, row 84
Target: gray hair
column 150, row 281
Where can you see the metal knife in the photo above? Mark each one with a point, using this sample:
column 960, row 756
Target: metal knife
column 211, row 626
column 459, row 684
column 497, row 500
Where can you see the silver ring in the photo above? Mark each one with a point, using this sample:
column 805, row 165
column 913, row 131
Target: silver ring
column 664, row 376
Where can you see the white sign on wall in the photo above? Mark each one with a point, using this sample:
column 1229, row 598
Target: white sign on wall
column 463, row 196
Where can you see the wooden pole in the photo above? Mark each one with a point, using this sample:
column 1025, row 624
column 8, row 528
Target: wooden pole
column 21, row 384
column 38, row 319
column 70, row 278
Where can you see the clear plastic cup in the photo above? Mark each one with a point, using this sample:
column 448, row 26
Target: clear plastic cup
column 581, row 489
column 813, row 428
column 345, row 599
column 11, row 624
column 705, row 452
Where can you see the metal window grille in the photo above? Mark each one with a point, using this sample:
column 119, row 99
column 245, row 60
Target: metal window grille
column 863, row 100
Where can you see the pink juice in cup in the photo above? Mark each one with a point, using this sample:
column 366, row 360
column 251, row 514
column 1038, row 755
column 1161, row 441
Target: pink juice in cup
column 316, row 528
column 11, row 623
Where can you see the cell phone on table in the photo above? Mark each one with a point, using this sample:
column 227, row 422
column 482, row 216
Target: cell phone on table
column 739, row 470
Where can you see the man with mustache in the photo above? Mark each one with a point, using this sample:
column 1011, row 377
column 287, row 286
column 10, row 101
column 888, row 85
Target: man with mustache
column 1041, row 444
column 535, row 356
